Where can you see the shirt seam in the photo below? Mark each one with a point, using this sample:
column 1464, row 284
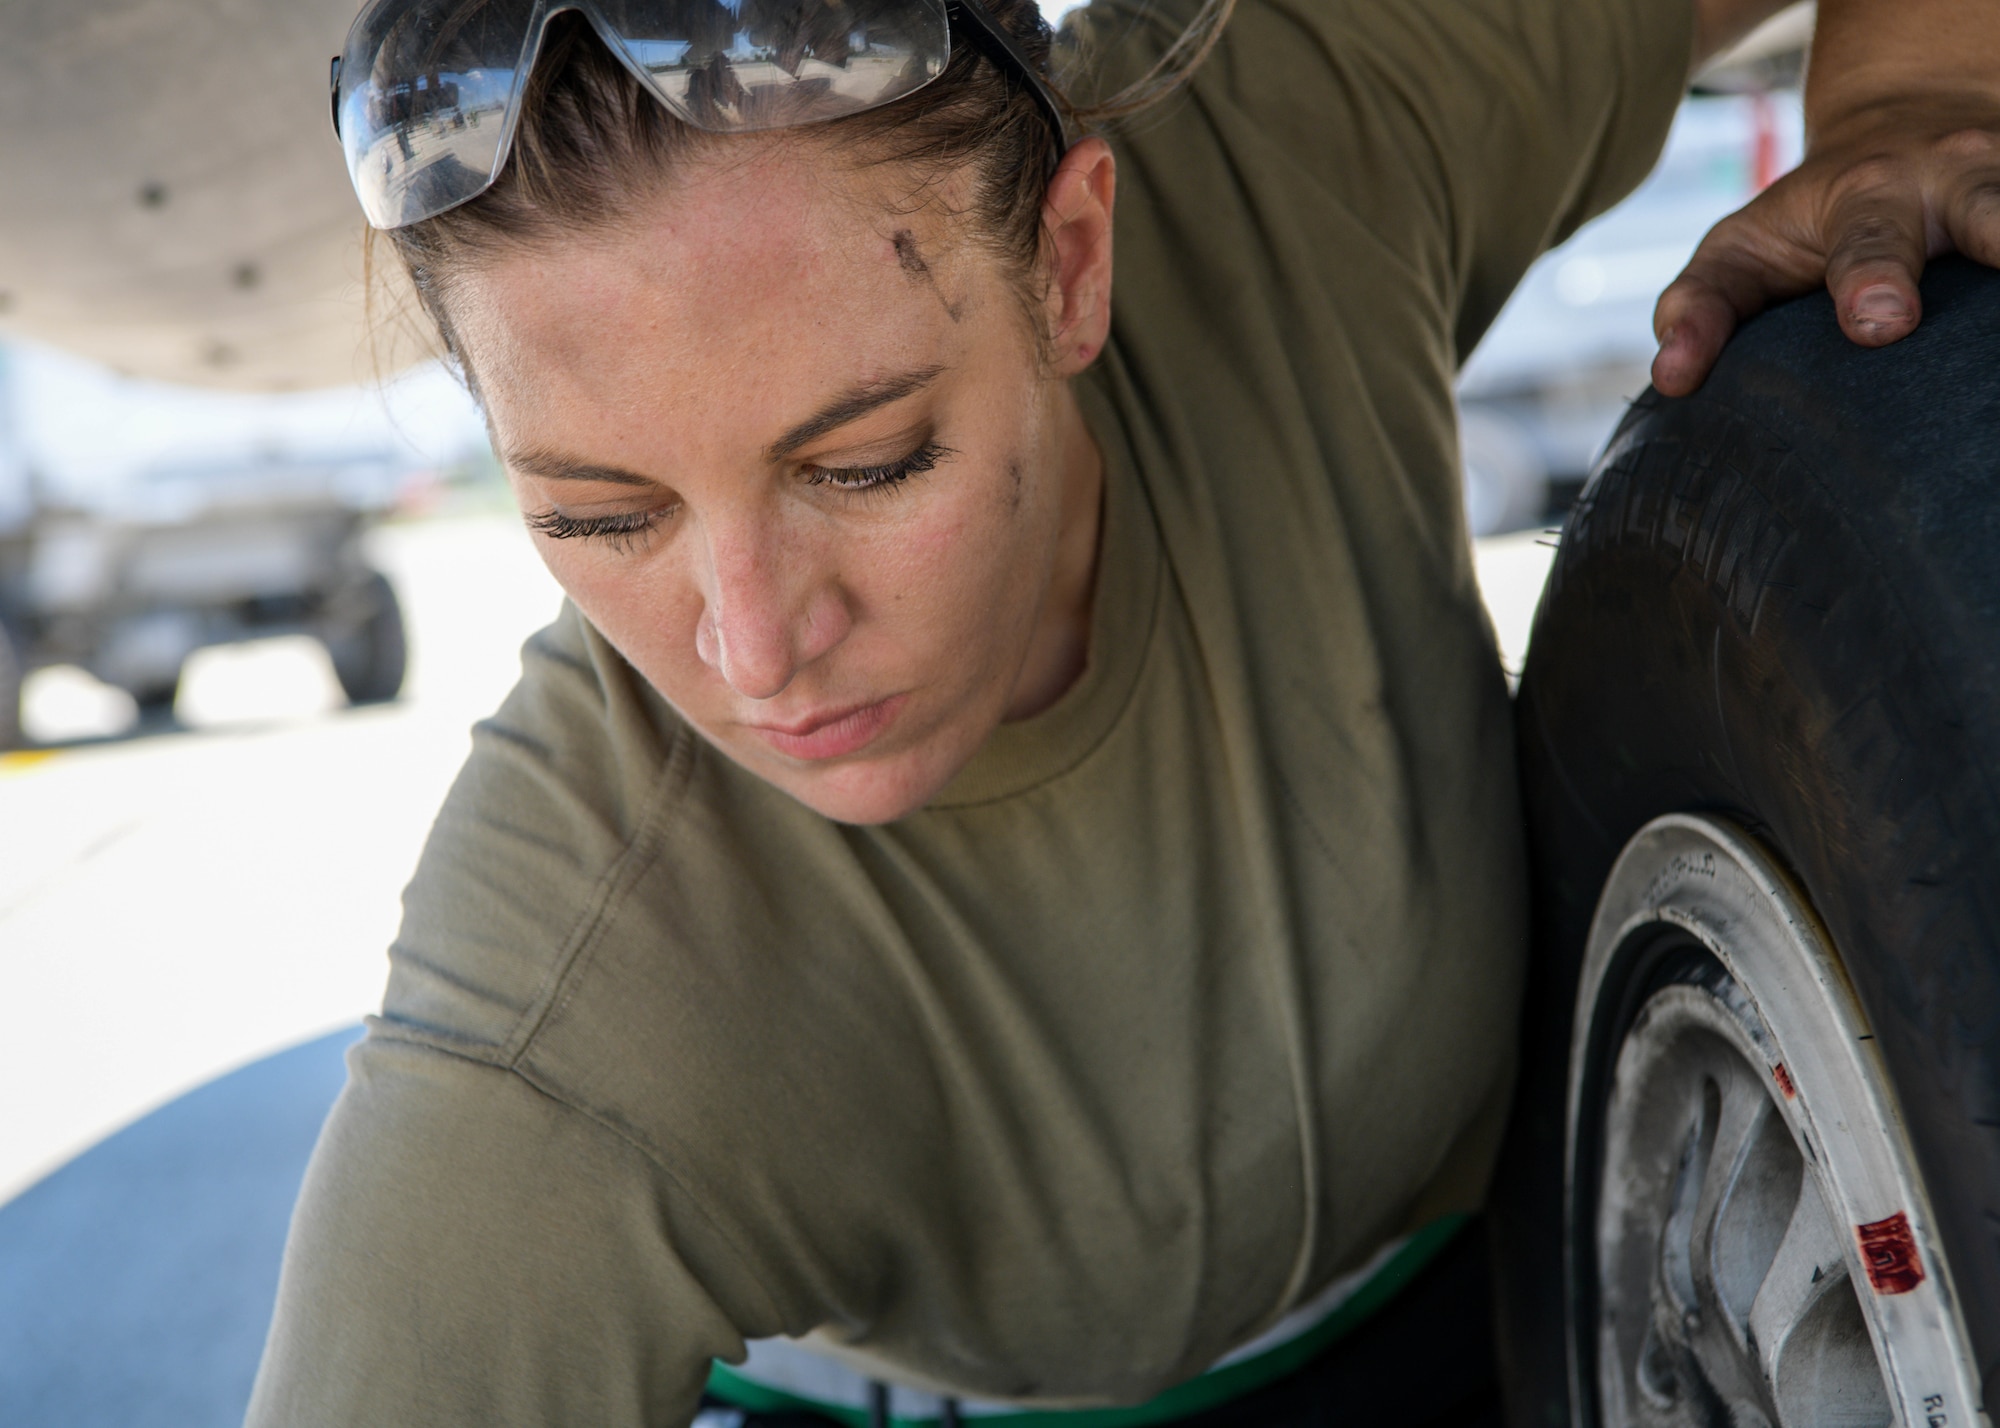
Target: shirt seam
column 618, row 1133
column 613, row 886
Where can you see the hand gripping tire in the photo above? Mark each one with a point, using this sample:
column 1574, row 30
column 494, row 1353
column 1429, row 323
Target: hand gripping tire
column 1775, row 614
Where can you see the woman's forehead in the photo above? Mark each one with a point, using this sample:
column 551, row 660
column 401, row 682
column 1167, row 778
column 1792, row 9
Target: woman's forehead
column 750, row 254
column 719, row 320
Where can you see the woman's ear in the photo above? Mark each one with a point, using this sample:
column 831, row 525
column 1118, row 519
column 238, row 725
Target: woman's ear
column 1076, row 216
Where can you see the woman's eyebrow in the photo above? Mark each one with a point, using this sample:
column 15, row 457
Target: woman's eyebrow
column 855, row 403
column 551, row 466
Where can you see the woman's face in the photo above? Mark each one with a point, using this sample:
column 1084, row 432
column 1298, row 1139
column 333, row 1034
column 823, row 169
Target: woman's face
column 805, row 461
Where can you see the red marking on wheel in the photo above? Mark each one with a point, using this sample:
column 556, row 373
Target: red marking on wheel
column 1889, row 1251
column 1784, row 1080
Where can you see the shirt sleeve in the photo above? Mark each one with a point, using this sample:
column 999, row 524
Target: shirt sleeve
column 469, row 1253
column 1467, row 135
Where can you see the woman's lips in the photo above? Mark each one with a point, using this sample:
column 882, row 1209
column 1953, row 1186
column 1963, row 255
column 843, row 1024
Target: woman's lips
column 834, row 733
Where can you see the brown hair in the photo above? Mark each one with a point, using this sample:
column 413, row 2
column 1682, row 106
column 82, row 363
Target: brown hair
column 590, row 138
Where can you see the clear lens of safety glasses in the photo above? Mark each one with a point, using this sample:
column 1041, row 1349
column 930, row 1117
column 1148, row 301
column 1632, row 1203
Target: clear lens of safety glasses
column 428, row 91
column 427, row 98
column 733, row 65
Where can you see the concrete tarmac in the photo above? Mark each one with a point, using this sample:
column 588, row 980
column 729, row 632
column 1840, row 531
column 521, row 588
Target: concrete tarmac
column 136, row 1282
column 177, row 904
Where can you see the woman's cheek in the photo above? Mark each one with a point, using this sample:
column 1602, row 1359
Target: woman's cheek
column 941, row 574
column 640, row 605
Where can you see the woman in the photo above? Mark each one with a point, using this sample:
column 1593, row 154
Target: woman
column 1006, row 869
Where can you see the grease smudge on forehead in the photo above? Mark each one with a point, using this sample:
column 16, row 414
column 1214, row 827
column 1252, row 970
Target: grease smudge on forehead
column 911, row 259
column 908, row 255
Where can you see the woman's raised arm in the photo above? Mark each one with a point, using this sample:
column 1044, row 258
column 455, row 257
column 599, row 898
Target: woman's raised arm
column 1457, row 139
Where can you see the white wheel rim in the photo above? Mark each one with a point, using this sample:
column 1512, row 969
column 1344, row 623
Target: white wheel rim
column 1756, row 1202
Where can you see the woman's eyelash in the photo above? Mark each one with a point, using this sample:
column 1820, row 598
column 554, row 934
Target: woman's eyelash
column 623, row 530
column 875, row 478
column 619, row 531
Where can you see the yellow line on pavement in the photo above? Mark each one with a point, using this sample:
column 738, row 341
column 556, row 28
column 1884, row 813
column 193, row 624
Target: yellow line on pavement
column 21, row 760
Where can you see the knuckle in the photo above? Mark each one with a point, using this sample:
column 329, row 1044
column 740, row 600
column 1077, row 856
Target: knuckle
column 1976, row 145
column 1982, row 199
column 1975, row 226
column 1712, row 250
column 1872, row 176
column 1869, row 238
column 1738, row 242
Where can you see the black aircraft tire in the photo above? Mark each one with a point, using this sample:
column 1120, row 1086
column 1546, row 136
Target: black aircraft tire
column 1778, row 603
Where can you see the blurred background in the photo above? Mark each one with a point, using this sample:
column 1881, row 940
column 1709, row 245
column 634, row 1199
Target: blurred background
column 252, row 596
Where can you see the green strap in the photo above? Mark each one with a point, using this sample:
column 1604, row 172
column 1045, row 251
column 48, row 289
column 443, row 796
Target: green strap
column 1217, row 1386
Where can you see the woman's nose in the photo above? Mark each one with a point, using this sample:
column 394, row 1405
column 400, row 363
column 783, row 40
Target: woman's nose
column 762, row 622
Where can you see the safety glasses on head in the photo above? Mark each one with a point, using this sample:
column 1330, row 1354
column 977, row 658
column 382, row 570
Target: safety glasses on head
column 427, row 93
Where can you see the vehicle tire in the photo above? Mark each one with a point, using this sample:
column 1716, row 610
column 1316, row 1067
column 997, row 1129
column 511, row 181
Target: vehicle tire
column 1776, row 607
column 156, row 701
column 13, row 673
column 364, row 637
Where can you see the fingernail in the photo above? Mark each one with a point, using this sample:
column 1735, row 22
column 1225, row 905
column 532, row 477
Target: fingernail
column 1880, row 308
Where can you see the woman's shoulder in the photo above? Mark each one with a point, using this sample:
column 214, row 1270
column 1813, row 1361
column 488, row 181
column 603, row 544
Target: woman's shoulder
column 563, row 793
column 618, row 912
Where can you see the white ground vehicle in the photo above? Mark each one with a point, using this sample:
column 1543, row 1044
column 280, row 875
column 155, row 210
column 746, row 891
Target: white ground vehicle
column 194, row 558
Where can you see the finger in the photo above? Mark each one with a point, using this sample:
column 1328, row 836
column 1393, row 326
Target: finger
column 1741, row 267
column 1874, row 260
column 1693, row 320
column 1970, row 211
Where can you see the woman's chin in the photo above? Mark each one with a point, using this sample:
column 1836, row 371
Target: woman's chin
column 866, row 791
column 870, row 772
column 865, row 788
